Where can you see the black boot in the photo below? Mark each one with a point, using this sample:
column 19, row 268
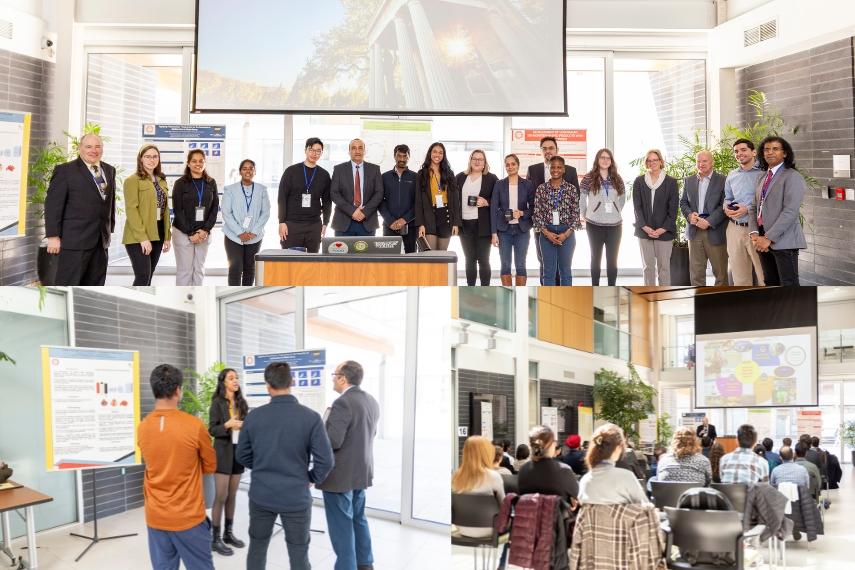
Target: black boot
column 217, row 544
column 229, row 538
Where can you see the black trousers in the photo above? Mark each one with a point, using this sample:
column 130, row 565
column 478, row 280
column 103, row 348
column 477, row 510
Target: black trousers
column 598, row 237
column 144, row 265
column 242, row 261
column 82, row 266
column 780, row 267
column 303, row 234
column 476, row 250
column 409, row 239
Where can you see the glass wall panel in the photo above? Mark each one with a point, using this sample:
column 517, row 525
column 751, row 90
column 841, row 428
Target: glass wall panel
column 263, row 324
column 493, row 306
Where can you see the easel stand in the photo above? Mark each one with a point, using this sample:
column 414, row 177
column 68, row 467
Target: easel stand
column 95, row 539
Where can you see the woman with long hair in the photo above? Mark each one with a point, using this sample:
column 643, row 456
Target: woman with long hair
column 195, row 203
column 511, row 210
column 476, row 192
column 246, row 209
column 605, row 483
column 716, row 453
column 146, row 233
column 477, row 476
column 438, row 205
column 603, row 198
column 544, row 473
column 225, row 418
column 684, row 461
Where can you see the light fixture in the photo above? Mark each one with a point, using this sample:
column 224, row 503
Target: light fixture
column 463, row 335
column 491, row 341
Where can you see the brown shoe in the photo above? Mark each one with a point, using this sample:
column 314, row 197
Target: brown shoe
column 520, row 280
column 506, row 280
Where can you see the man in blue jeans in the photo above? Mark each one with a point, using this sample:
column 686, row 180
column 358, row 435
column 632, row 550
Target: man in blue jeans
column 278, row 441
column 351, row 426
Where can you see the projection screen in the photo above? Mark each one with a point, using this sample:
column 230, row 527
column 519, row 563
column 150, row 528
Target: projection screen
column 398, row 57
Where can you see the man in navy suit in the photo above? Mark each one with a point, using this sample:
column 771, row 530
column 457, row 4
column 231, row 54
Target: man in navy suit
column 80, row 215
column 539, row 173
column 357, row 191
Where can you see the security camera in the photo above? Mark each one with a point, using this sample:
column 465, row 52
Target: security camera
column 189, row 297
column 47, row 43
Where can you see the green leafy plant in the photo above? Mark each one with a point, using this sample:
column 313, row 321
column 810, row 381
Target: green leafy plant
column 847, row 433
column 623, row 401
column 664, row 430
column 199, row 388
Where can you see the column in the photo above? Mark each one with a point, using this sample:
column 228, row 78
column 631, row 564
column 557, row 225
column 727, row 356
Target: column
column 439, row 82
column 406, row 49
column 372, row 76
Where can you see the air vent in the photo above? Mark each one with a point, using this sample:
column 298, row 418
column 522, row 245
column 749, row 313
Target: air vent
column 569, row 375
column 6, row 29
column 761, row 33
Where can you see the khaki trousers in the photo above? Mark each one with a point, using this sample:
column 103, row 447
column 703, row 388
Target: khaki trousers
column 742, row 256
column 656, row 260
column 189, row 258
column 701, row 251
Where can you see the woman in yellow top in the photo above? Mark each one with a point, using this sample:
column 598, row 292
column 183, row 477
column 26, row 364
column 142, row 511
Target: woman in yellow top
column 438, row 207
column 146, row 233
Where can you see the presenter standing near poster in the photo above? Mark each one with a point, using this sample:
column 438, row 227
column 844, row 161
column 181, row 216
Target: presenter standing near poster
column 706, row 429
column 351, row 427
column 80, row 215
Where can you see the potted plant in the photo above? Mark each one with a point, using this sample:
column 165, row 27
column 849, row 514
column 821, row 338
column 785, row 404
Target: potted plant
column 623, row 401
column 847, row 434
column 664, row 430
column 198, row 390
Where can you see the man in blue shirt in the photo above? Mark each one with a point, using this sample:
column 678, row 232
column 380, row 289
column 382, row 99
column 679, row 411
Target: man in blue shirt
column 771, row 457
column 788, row 471
column 279, row 441
column 399, row 198
column 738, row 196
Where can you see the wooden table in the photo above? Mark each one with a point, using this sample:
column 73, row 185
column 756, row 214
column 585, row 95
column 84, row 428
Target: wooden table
column 13, row 500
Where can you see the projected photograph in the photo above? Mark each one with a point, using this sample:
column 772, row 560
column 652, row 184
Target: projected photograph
column 382, row 56
column 770, row 368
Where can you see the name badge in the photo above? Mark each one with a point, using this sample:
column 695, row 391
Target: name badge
column 307, row 200
column 235, row 436
column 200, row 214
column 246, row 221
column 159, row 214
column 555, row 219
column 610, row 207
column 439, row 202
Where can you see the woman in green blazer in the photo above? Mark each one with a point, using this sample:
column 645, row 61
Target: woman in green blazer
column 147, row 209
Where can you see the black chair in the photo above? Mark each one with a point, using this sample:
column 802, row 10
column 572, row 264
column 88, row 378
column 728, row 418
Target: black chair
column 476, row 511
column 667, row 493
column 736, row 492
column 704, row 531
column 512, row 483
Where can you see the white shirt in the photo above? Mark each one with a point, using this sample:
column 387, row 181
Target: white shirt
column 513, row 199
column 703, row 185
column 353, row 167
column 471, row 188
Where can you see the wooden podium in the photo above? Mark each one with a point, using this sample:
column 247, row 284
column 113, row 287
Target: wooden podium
column 287, row 267
column 728, row 442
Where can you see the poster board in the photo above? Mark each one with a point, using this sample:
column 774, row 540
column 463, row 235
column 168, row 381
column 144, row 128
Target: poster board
column 809, row 421
column 647, row 429
column 91, row 402
column 572, row 145
column 487, row 422
column 692, row 419
column 307, row 369
column 549, row 418
column 175, row 141
column 14, row 163
column 586, row 423
column 382, row 135
column 761, row 419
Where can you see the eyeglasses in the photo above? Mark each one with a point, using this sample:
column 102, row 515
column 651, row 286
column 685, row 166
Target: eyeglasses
column 151, row 156
column 549, row 148
column 477, row 160
column 315, row 150
column 772, row 149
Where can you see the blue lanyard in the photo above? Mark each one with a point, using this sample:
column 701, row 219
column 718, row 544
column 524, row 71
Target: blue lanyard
column 199, row 192
column 606, row 184
column 556, row 201
column 307, row 179
column 248, row 200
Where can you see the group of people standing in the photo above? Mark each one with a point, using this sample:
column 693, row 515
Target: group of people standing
column 288, row 447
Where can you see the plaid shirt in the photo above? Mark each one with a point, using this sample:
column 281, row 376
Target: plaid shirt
column 617, row 536
column 791, row 473
column 743, row 466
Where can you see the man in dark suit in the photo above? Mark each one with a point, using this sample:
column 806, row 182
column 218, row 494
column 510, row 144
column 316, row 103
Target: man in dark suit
column 706, row 429
column 80, row 215
column 356, row 191
column 702, row 205
column 351, row 427
column 539, row 173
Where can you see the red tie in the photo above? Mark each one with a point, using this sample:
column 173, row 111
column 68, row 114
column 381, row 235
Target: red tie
column 763, row 197
column 357, row 189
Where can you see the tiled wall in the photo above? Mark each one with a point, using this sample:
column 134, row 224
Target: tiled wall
column 475, row 381
column 161, row 336
column 814, row 89
column 566, row 391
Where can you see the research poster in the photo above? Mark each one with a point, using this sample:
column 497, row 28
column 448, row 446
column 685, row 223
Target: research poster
column 586, row 422
column 487, row 421
column 14, row 160
column 549, row 418
column 381, row 136
column 175, row 141
column 91, row 407
column 307, row 369
column 572, row 145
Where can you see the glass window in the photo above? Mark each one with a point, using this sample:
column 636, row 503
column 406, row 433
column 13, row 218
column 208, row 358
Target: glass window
column 367, row 324
column 492, row 306
column 532, row 313
column 262, row 324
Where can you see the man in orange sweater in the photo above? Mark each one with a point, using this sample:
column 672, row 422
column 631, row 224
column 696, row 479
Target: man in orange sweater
column 176, row 450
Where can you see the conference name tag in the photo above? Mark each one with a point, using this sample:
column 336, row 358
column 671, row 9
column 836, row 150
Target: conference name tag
column 439, row 201
column 246, row 221
column 159, row 214
column 610, row 207
column 200, row 214
column 235, row 435
column 307, row 200
column 555, row 218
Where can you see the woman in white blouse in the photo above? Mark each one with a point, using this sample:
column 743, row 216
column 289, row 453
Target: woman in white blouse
column 476, row 184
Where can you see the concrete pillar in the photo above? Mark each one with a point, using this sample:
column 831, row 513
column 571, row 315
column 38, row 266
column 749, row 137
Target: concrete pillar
column 406, row 49
column 438, row 78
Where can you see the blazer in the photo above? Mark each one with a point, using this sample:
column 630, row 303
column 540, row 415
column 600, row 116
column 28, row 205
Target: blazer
column 184, row 202
column 713, row 205
column 218, row 415
column 662, row 213
column 536, row 175
column 234, row 211
column 781, row 209
column 141, row 210
column 425, row 214
column 351, row 427
column 488, row 181
column 74, row 209
column 710, row 431
column 341, row 193
column 501, row 195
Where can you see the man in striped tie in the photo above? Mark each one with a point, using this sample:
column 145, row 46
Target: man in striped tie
column 80, row 215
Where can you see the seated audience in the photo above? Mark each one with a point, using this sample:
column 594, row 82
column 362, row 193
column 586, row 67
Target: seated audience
column 631, row 461
column 545, row 474
column 772, row 458
column 817, row 456
column 813, row 470
column 523, row 455
column 716, row 453
column 507, row 461
column 476, row 476
column 684, row 461
column 604, row 483
column 574, row 457
column 788, row 471
column 786, row 442
column 497, row 460
column 658, row 452
column 743, row 465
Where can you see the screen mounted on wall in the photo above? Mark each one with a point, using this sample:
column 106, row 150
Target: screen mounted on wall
column 414, row 57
